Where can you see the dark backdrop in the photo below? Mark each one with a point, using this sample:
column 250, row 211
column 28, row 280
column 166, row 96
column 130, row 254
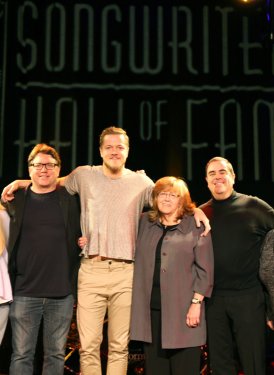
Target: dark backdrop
column 188, row 80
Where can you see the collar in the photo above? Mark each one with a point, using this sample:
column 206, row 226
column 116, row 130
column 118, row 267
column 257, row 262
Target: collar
column 183, row 226
column 232, row 197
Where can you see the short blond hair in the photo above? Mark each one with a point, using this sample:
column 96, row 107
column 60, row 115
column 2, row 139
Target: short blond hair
column 112, row 130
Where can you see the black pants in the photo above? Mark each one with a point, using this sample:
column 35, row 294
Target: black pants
column 236, row 320
column 160, row 361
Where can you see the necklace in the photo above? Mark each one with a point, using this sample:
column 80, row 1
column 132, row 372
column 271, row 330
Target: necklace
column 167, row 224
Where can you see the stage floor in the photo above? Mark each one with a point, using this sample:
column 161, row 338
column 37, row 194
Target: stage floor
column 135, row 363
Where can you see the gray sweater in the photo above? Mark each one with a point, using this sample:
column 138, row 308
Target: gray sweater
column 110, row 209
column 267, row 270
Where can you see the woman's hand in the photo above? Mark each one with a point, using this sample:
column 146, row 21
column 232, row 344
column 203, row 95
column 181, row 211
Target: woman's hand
column 193, row 315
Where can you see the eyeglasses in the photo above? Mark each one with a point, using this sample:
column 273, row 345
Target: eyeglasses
column 171, row 196
column 39, row 166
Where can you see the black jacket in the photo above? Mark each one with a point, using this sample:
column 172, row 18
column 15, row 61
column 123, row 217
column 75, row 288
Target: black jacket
column 70, row 208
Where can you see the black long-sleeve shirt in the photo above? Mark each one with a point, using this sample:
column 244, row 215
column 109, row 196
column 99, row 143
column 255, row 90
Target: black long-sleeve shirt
column 239, row 225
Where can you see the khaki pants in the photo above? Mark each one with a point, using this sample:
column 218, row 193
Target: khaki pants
column 4, row 315
column 104, row 286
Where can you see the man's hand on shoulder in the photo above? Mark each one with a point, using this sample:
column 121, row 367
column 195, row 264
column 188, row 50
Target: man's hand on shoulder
column 8, row 191
column 199, row 217
column 270, row 324
column 141, row 171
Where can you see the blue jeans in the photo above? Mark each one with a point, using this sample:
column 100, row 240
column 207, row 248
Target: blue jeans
column 26, row 314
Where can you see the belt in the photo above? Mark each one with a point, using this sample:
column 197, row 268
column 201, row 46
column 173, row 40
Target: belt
column 98, row 258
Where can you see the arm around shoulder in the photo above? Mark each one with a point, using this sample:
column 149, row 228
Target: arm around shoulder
column 200, row 217
column 8, row 191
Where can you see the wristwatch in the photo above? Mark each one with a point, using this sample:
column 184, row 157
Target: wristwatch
column 196, row 301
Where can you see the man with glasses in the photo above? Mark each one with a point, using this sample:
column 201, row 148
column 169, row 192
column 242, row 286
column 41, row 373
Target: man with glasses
column 43, row 264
